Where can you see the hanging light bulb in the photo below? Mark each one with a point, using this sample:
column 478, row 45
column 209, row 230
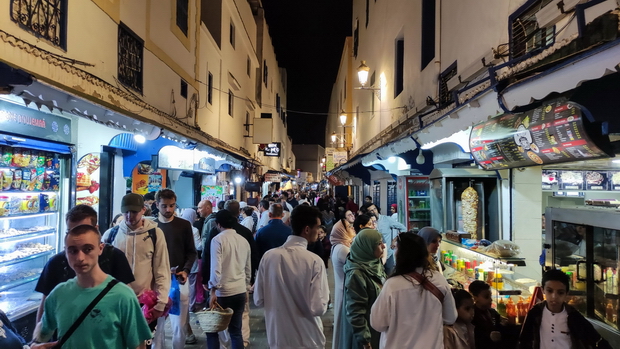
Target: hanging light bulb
column 420, row 159
column 343, row 117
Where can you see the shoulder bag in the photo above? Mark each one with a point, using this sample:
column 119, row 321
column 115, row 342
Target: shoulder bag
column 85, row 313
column 427, row 284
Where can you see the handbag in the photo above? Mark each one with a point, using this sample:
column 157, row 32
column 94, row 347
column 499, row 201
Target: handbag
column 85, row 313
column 427, row 284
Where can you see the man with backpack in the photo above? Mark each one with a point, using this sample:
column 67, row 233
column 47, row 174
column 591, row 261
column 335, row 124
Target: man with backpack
column 144, row 245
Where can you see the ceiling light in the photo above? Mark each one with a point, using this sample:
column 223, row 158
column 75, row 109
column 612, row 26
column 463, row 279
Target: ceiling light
column 391, row 159
column 616, row 161
column 238, row 180
column 420, row 159
column 139, row 138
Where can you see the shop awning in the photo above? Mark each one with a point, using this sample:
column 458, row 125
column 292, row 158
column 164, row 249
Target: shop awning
column 591, row 65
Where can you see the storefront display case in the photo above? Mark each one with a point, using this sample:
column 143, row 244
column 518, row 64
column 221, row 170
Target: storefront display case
column 511, row 291
column 466, row 200
column 584, row 242
column 414, row 209
column 30, row 212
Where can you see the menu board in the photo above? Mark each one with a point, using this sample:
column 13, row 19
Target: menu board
column 594, row 180
column 146, row 179
column 553, row 133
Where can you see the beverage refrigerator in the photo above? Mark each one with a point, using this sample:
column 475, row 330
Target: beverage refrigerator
column 414, row 209
column 584, row 242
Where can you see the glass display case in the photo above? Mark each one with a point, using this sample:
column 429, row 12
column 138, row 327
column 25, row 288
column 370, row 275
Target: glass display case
column 511, row 291
column 414, row 209
column 584, row 242
column 30, row 182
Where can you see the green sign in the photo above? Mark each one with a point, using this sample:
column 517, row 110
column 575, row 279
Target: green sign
column 33, row 123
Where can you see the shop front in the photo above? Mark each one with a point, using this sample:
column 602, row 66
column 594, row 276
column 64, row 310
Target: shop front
column 36, row 164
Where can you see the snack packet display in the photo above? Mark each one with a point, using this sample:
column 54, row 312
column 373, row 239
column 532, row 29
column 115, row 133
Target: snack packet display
column 38, row 178
column 26, row 179
column 7, row 179
column 21, row 157
column 6, row 156
column 48, row 202
column 17, row 179
column 4, row 206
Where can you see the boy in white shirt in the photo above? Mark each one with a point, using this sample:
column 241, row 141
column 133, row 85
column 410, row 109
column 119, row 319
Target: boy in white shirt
column 553, row 324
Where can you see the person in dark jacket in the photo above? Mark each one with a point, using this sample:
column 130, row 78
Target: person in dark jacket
column 364, row 277
column 553, row 323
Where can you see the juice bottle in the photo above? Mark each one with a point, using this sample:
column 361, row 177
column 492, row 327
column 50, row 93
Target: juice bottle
column 498, row 282
column 501, row 307
column 609, row 311
column 521, row 310
column 511, row 312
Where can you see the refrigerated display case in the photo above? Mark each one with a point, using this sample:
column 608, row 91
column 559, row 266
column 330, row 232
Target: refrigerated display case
column 414, row 210
column 451, row 211
column 584, row 242
column 32, row 194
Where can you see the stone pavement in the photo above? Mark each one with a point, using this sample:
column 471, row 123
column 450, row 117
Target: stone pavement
column 258, row 335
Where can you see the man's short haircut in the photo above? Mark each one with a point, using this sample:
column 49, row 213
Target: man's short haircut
column 220, row 205
column 80, row 212
column 369, row 197
column 285, row 194
column 477, row 286
column 207, row 202
column 225, row 218
column 248, row 210
column 276, row 210
column 303, row 196
column 166, row 194
column 233, row 207
column 264, row 204
column 304, row 216
column 556, row 275
column 83, row 229
column 149, row 196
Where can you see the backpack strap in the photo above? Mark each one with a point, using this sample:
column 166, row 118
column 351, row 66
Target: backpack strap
column 112, row 235
column 426, row 284
column 153, row 235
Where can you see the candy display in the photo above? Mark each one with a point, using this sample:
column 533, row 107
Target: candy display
column 16, row 232
column 24, row 250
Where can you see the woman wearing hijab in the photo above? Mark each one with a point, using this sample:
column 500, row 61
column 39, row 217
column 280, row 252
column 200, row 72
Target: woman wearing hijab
column 341, row 238
column 432, row 237
column 364, row 276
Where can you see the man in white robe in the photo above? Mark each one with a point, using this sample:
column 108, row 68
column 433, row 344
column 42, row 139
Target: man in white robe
column 291, row 284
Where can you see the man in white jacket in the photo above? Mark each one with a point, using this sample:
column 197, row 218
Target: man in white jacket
column 291, row 284
column 144, row 245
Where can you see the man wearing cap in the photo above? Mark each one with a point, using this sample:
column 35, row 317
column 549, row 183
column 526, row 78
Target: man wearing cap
column 144, row 245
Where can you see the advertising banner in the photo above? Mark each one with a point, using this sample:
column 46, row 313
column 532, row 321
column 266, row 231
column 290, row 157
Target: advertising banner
column 145, row 179
column 87, row 180
column 553, row 133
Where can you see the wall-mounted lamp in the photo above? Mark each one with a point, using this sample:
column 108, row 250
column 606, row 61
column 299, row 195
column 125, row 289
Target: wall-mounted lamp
column 334, row 137
column 343, row 117
column 323, row 160
column 362, row 76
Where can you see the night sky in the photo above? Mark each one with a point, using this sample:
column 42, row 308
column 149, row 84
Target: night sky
column 309, row 38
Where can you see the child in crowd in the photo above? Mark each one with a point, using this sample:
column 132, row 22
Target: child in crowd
column 555, row 324
column 487, row 321
column 461, row 334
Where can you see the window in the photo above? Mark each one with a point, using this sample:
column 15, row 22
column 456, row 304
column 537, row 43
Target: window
column 345, row 89
column 249, row 67
column 183, row 15
column 232, row 34
column 367, row 12
column 210, row 89
column 372, row 96
column 265, row 73
column 278, row 102
column 356, row 37
column 445, row 95
column 130, row 58
column 428, row 32
column 231, row 101
column 399, row 69
column 46, row 19
column 183, row 89
column 525, row 35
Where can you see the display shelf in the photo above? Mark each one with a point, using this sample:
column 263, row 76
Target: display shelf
column 510, row 287
column 19, row 282
column 418, row 197
column 28, row 235
column 29, row 215
column 511, row 260
column 32, row 256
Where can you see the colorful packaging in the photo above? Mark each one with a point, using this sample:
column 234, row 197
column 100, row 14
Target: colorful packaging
column 49, row 161
column 6, row 156
column 26, row 179
column 15, row 205
column 46, row 180
column 21, row 157
column 54, row 180
column 4, row 206
column 40, row 160
column 38, row 178
column 7, row 179
column 48, row 202
column 34, row 158
column 17, row 179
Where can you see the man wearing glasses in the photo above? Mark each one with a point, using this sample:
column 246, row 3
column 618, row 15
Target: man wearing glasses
column 385, row 225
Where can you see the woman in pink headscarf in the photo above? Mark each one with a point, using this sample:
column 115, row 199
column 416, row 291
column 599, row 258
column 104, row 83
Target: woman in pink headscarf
column 341, row 238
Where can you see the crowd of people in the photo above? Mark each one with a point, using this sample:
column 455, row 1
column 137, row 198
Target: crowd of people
column 116, row 289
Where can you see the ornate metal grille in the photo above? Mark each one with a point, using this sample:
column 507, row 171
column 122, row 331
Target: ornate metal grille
column 44, row 18
column 526, row 35
column 445, row 96
column 130, row 58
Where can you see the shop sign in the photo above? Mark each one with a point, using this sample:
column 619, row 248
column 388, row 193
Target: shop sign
column 212, row 193
column 203, row 164
column 87, row 180
column 329, row 159
column 273, row 177
column 556, row 132
column 581, row 180
column 340, row 158
column 145, row 179
column 175, row 158
column 273, row 149
column 33, row 123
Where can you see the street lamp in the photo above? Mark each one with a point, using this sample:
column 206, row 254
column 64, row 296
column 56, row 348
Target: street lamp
column 362, row 73
column 334, row 137
column 343, row 117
